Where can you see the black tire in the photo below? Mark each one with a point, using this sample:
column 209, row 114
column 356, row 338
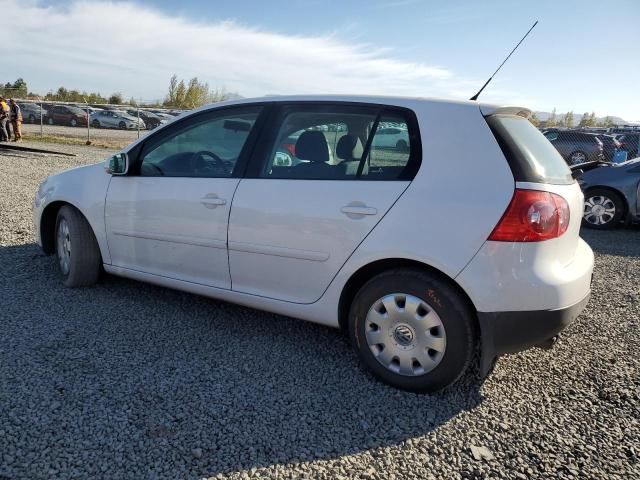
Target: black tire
column 402, row 145
column 603, row 197
column 456, row 316
column 122, row 126
column 73, row 122
column 577, row 157
column 95, row 124
column 32, row 118
column 50, row 121
column 85, row 262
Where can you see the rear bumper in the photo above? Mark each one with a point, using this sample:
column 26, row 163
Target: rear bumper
column 511, row 332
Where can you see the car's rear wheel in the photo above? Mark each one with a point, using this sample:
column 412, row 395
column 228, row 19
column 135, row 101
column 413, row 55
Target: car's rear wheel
column 77, row 250
column 50, row 121
column 95, row 124
column 577, row 157
column 412, row 330
column 401, row 145
column 603, row 209
column 32, row 118
column 73, row 122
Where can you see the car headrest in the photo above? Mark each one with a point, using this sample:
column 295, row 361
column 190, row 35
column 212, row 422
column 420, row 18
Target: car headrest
column 346, row 144
column 312, row 146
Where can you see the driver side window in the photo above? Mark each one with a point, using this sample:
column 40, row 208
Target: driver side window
column 208, row 145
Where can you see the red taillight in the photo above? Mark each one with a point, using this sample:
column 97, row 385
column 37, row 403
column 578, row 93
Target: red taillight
column 291, row 147
column 532, row 216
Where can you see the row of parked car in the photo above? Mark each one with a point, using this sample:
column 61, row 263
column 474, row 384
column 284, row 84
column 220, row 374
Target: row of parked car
column 104, row 116
column 579, row 146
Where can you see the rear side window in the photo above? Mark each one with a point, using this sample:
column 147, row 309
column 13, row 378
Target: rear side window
column 342, row 142
column 531, row 156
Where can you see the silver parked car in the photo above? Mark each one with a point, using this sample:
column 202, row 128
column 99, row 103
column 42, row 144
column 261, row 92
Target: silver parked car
column 116, row 119
column 611, row 193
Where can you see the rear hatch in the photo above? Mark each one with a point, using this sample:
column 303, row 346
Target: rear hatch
column 537, row 165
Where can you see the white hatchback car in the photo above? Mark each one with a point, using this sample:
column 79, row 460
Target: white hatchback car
column 423, row 253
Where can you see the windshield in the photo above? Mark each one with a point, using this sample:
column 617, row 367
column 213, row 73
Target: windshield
column 531, row 156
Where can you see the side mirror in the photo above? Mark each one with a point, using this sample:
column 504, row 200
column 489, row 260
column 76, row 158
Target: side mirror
column 118, row 164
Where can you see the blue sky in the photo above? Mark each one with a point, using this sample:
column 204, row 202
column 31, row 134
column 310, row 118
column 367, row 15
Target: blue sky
column 582, row 56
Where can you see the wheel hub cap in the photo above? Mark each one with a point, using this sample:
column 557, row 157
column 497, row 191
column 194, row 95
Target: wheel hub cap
column 63, row 244
column 599, row 210
column 405, row 334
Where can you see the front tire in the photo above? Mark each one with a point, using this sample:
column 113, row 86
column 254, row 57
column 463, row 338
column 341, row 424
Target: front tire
column 603, row 209
column 412, row 330
column 122, row 126
column 77, row 250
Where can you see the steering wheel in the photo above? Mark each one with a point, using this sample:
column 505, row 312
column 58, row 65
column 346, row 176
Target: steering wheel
column 198, row 161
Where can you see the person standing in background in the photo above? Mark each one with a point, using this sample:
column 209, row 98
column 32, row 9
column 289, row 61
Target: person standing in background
column 15, row 116
column 4, row 118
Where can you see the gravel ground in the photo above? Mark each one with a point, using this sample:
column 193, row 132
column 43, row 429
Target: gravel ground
column 127, row 380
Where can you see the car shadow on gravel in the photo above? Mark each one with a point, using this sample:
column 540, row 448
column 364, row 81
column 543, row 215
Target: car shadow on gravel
column 618, row 241
column 157, row 383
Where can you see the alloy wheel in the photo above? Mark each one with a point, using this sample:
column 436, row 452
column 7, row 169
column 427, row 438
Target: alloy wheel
column 599, row 210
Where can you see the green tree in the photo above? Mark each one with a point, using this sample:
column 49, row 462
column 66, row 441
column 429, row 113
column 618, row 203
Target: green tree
column 192, row 94
column 116, row 99
column 534, row 119
column 568, row 119
column 584, row 121
column 552, row 121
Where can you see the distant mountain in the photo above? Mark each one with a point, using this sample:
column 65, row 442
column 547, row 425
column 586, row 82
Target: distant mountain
column 544, row 116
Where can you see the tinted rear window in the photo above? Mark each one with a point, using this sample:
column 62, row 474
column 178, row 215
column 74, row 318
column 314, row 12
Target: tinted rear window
column 531, row 156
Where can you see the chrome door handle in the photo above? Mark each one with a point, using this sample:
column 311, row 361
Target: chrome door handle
column 358, row 210
column 211, row 200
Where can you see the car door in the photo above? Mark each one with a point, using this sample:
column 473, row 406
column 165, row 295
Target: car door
column 293, row 224
column 169, row 216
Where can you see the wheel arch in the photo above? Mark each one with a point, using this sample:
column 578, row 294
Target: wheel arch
column 48, row 224
column 368, row 271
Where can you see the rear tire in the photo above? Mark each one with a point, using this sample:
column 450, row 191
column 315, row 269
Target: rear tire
column 77, row 250
column 74, row 122
column 50, row 121
column 32, row 118
column 603, row 209
column 95, row 124
column 577, row 157
column 425, row 328
column 122, row 126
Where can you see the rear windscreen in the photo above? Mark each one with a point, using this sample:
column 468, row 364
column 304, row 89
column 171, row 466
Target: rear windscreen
column 531, row 156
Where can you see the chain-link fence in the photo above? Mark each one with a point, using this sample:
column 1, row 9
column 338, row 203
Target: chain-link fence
column 99, row 124
column 115, row 126
column 595, row 144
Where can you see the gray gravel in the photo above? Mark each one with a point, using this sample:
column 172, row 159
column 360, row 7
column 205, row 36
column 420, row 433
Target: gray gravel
column 127, row 380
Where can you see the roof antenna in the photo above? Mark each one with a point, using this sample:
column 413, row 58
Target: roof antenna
column 475, row 97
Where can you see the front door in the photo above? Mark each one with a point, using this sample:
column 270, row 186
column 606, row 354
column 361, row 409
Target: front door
column 169, row 216
column 319, row 188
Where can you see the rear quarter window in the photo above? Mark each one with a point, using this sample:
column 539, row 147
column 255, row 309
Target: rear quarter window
column 531, row 156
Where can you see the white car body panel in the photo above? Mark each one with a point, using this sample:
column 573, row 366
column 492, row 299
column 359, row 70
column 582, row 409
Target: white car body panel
column 442, row 220
column 289, row 238
column 171, row 226
column 83, row 187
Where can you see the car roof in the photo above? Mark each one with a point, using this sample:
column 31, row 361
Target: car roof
column 398, row 101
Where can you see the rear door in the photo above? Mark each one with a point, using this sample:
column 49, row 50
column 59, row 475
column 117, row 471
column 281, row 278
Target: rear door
column 306, row 207
column 169, row 216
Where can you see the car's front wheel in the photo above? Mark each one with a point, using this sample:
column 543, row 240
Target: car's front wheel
column 412, row 330
column 77, row 250
column 603, row 209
